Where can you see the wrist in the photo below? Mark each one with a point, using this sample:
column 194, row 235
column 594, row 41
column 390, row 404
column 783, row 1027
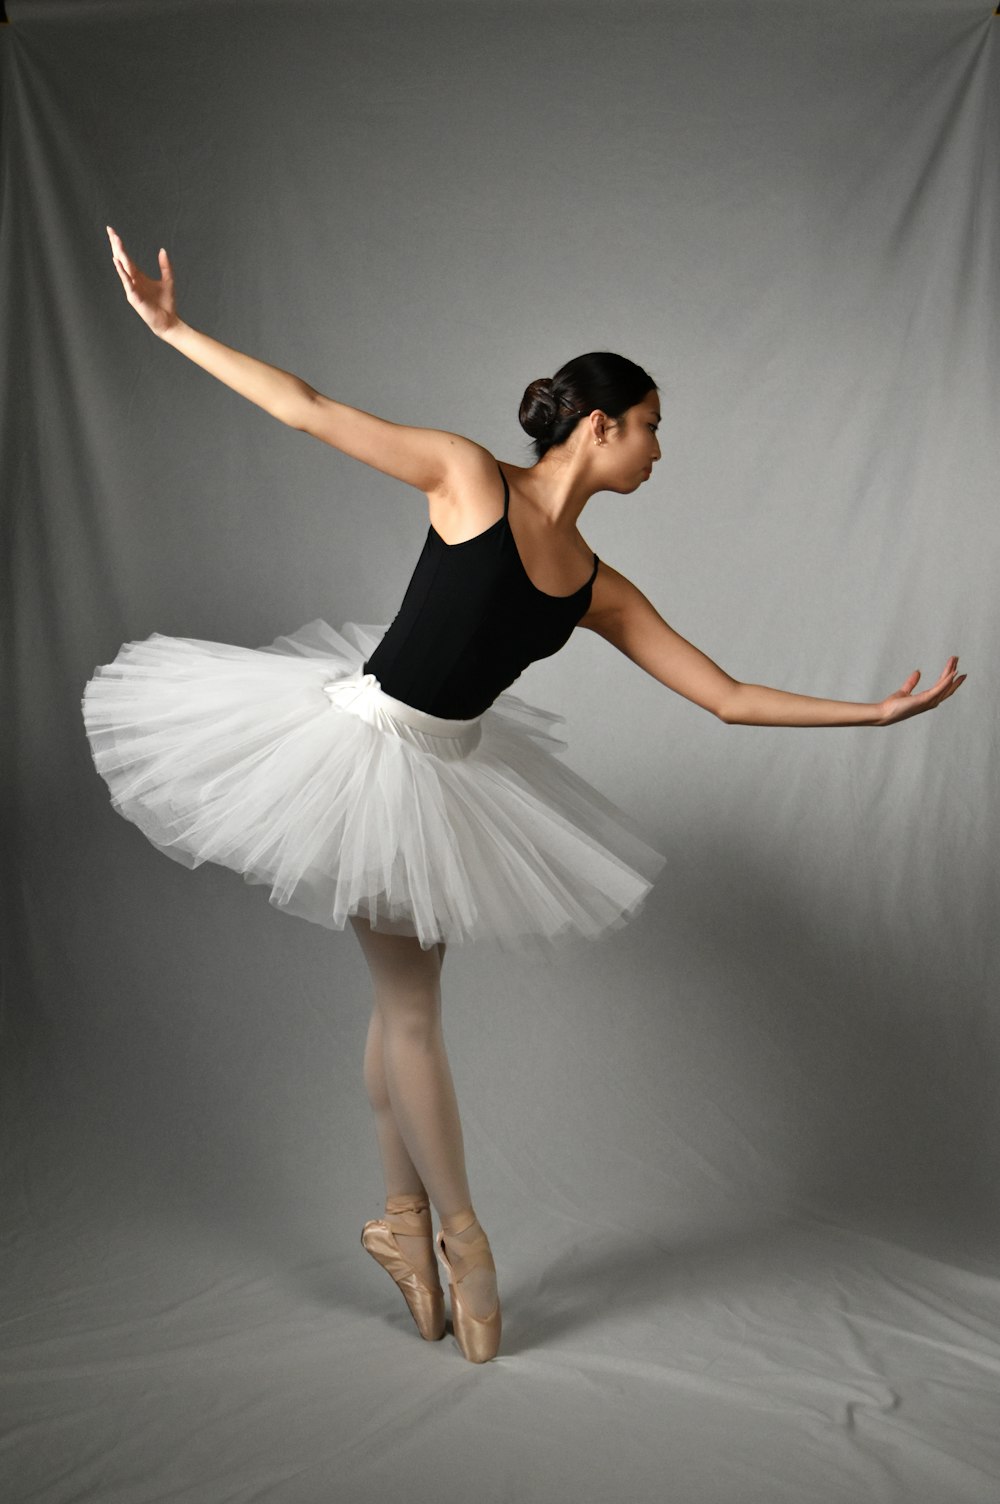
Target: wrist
column 174, row 332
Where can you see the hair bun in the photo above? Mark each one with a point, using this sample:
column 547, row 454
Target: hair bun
column 539, row 407
column 552, row 407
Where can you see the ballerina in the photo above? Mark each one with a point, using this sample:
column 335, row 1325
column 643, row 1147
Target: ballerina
column 387, row 777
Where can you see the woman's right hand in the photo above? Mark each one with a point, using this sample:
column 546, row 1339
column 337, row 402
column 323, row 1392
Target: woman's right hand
column 152, row 301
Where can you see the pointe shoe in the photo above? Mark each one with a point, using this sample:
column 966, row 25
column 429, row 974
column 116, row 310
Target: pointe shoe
column 425, row 1302
column 478, row 1337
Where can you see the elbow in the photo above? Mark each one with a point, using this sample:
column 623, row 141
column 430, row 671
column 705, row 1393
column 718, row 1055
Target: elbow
column 301, row 411
column 727, row 708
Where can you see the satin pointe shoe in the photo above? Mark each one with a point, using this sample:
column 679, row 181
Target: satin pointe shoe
column 478, row 1337
column 410, row 1216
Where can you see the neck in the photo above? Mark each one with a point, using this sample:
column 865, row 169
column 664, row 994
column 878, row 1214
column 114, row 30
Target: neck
column 560, row 485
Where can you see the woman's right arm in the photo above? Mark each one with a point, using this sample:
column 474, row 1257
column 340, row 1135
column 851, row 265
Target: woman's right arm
column 423, row 457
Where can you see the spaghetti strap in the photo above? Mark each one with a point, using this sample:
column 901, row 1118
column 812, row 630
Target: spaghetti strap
column 506, row 490
column 506, row 509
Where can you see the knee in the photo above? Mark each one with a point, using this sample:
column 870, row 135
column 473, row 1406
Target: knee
column 410, row 1013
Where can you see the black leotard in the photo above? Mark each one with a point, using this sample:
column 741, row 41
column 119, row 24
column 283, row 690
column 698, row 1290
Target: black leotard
column 470, row 622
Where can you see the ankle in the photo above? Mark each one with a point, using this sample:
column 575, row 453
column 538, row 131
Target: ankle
column 467, row 1247
column 454, row 1224
column 408, row 1201
column 409, row 1214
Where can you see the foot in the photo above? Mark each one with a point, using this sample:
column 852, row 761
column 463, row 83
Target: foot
column 464, row 1250
column 401, row 1242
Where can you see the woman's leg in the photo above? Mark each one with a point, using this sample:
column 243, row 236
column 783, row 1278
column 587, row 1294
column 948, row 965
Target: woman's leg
column 410, row 1086
column 407, row 1072
column 398, row 1170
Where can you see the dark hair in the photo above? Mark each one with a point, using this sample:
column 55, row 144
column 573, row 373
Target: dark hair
column 552, row 406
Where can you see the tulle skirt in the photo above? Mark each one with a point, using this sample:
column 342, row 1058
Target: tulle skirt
column 290, row 765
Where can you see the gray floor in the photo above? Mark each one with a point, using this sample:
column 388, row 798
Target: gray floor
column 159, row 1359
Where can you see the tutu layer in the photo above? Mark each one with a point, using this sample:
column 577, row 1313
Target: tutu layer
column 291, row 766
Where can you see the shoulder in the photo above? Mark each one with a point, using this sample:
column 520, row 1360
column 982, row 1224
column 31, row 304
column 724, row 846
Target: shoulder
column 471, row 494
column 613, row 599
column 611, row 589
column 468, row 462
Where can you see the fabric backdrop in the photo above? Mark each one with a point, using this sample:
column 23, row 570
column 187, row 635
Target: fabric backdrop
column 738, row 1163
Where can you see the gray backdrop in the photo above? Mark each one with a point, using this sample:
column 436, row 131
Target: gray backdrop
column 739, row 1162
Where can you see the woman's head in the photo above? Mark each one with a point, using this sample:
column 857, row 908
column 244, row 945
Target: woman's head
column 552, row 406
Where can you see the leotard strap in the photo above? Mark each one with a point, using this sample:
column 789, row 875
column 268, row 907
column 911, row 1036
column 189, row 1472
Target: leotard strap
column 506, row 506
column 506, row 490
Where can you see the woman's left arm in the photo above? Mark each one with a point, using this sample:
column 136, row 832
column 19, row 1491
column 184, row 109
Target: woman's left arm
column 621, row 613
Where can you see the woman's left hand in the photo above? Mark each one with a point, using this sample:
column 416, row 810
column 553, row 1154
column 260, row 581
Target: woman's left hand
column 904, row 703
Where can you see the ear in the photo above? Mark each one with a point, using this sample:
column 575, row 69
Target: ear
column 599, row 424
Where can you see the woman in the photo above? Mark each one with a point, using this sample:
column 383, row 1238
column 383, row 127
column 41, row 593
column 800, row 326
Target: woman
column 388, row 777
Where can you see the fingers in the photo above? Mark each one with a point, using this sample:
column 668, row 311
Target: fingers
column 929, row 699
column 119, row 252
column 127, row 271
column 136, row 284
column 904, row 703
column 127, row 281
column 947, row 678
column 953, row 686
column 946, row 686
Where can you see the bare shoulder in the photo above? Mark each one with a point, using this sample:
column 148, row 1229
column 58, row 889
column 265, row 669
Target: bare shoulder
column 469, row 463
column 612, row 596
column 470, row 496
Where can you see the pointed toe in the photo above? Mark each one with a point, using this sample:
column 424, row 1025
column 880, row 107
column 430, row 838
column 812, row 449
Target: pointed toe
column 425, row 1303
column 478, row 1337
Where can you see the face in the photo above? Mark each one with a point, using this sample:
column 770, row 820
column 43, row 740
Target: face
column 632, row 445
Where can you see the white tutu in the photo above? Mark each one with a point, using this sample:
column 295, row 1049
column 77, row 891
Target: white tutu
column 290, row 765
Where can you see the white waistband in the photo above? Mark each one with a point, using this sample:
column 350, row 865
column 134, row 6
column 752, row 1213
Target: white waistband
column 362, row 695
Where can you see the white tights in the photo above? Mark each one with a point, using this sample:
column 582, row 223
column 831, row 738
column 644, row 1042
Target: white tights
column 409, row 1084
